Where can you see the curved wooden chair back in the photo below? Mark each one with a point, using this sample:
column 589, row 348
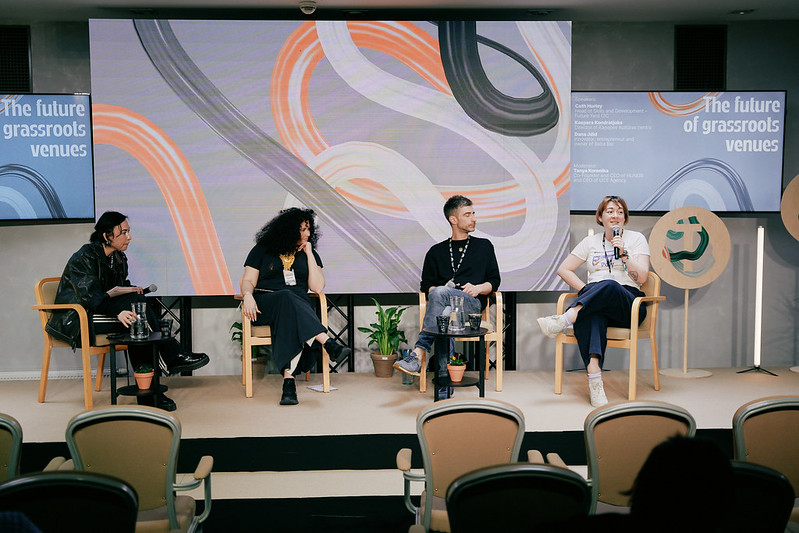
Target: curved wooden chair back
column 10, row 446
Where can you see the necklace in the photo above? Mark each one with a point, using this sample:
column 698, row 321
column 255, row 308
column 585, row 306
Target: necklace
column 452, row 258
column 608, row 260
column 288, row 260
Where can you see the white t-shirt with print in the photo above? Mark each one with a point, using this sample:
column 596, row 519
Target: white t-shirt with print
column 597, row 258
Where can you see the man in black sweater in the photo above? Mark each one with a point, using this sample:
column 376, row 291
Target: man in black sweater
column 459, row 266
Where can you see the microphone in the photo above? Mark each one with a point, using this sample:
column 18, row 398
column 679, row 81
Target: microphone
column 616, row 231
column 154, row 287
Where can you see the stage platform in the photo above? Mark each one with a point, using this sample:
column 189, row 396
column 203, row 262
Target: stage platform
column 328, row 463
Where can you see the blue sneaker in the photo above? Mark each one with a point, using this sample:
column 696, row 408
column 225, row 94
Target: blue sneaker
column 446, row 392
column 410, row 365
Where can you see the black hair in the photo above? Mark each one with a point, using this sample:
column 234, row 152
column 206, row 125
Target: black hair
column 281, row 234
column 454, row 203
column 105, row 225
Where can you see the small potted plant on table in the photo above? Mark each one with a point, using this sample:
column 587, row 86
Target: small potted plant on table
column 144, row 376
column 456, row 367
column 385, row 335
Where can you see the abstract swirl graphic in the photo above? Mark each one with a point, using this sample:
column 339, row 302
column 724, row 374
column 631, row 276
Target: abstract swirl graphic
column 16, row 198
column 479, row 98
column 700, row 264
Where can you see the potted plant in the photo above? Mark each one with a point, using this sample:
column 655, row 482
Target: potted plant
column 144, row 376
column 385, row 335
column 456, row 367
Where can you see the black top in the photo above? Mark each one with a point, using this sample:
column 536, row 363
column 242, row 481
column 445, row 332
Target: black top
column 270, row 270
column 478, row 266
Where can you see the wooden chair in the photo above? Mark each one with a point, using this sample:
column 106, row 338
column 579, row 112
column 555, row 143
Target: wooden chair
column 620, row 337
column 618, row 439
column 140, row 445
column 45, row 291
column 456, row 437
column 10, row 446
column 766, row 431
column 495, row 334
column 516, row 497
column 262, row 336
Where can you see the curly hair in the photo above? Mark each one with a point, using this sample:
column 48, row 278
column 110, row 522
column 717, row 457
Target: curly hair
column 281, row 234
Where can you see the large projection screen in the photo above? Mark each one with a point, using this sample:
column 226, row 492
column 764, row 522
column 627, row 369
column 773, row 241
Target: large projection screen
column 722, row 151
column 204, row 130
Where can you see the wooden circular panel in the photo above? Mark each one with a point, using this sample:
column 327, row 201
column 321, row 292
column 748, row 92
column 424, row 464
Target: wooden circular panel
column 690, row 247
column 789, row 208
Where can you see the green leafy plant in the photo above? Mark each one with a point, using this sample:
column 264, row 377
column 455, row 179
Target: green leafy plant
column 456, row 359
column 143, row 369
column 385, row 334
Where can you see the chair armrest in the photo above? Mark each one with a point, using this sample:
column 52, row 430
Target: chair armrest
column 535, row 456
column 637, row 302
column 204, row 467
column 202, row 475
column 417, row 528
column 554, row 459
column 404, row 459
column 562, row 301
column 55, row 464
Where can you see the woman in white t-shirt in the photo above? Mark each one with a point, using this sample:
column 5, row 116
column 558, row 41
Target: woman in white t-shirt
column 618, row 263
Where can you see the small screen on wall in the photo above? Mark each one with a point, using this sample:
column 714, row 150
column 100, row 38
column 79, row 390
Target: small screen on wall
column 722, row 151
column 46, row 166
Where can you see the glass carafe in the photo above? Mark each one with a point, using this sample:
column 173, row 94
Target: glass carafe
column 457, row 316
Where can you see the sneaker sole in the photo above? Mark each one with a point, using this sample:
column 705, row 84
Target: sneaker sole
column 541, row 324
column 398, row 367
column 289, row 402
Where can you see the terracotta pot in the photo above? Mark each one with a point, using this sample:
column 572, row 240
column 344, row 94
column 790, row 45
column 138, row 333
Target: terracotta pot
column 143, row 380
column 384, row 364
column 456, row 372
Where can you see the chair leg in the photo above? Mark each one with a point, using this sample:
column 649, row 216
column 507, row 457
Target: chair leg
column 45, row 371
column 655, row 369
column 325, row 371
column 500, row 361
column 246, row 357
column 86, row 360
column 558, row 366
column 98, row 378
column 631, row 388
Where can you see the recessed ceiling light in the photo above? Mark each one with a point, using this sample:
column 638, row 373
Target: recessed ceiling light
column 741, row 12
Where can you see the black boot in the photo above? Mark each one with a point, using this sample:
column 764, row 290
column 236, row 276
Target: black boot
column 289, row 392
column 337, row 352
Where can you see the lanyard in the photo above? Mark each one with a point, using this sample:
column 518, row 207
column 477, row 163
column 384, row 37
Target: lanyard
column 452, row 258
column 608, row 260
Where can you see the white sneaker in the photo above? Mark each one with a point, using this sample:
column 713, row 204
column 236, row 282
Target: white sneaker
column 597, row 390
column 552, row 325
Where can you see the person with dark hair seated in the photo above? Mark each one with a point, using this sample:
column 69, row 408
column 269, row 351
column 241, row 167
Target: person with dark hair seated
column 278, row 273
column 96, row 276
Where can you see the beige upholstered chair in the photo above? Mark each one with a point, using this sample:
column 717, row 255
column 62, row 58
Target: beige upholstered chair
column 10, row 446
column 766, row 431
column 140, row 445
column 495, row 335
column 262, row 336
column 619, row 438
column 620, row 337
column 455, row 437
column 45, row 291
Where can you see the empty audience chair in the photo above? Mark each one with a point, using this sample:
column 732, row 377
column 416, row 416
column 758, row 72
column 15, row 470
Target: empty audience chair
column 495, row 334
column 10, row 446
column 72, row 501
column 766, row 432
column 618, row 439
column 621, row 337
column 140, row 445
column 455, row 437
column 520, row 497
column 262, row 336
column 763, row 500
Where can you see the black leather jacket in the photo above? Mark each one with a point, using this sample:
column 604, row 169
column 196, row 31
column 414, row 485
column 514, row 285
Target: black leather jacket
column 88, row 276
